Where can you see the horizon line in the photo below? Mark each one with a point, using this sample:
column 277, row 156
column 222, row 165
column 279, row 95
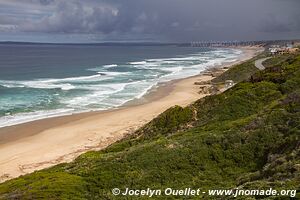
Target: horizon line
column 139, row 42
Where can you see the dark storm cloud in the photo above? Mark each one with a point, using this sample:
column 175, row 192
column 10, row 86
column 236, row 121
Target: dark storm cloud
column 169, row 20
column 76, row 17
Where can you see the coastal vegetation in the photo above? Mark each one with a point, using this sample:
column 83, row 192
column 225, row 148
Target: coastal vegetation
column 241, row 71
column 245, row 137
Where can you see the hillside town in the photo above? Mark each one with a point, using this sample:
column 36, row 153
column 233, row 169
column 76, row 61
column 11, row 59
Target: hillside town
column 284, row 49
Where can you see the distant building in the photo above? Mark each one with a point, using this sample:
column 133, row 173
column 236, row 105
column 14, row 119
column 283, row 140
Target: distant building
column 273, row 51
column 277, row 50
column 224, row 43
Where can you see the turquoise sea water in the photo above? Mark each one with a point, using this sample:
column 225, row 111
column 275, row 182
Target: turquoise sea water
column 40, row 81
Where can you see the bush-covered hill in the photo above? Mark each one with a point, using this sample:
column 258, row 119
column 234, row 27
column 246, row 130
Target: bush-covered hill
column 246, row 137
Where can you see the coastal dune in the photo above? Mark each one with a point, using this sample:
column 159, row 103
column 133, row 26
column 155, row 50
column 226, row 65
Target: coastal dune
column 40, row 144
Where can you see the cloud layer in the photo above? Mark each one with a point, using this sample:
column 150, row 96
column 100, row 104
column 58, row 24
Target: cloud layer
column 155, row 20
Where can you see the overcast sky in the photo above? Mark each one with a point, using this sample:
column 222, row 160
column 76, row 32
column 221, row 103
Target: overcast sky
column 148, row 20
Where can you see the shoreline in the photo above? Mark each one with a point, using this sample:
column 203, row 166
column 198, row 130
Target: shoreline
column 39, row 144
column 135, row 101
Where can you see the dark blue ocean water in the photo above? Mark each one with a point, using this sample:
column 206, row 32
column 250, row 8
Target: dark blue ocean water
column 39, row 81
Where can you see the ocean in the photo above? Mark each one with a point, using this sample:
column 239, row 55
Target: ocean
column 40, row 81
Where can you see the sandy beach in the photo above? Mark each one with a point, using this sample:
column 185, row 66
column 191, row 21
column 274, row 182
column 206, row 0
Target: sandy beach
column 40, row 144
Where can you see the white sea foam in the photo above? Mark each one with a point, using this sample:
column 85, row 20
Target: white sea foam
column 110, row 66
column 108, row 87
column 138, row 63
column 107, row 73
column 10, row 120
column 146, row 89
column 94, row 97
column 39, row 84
column 63, row 83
